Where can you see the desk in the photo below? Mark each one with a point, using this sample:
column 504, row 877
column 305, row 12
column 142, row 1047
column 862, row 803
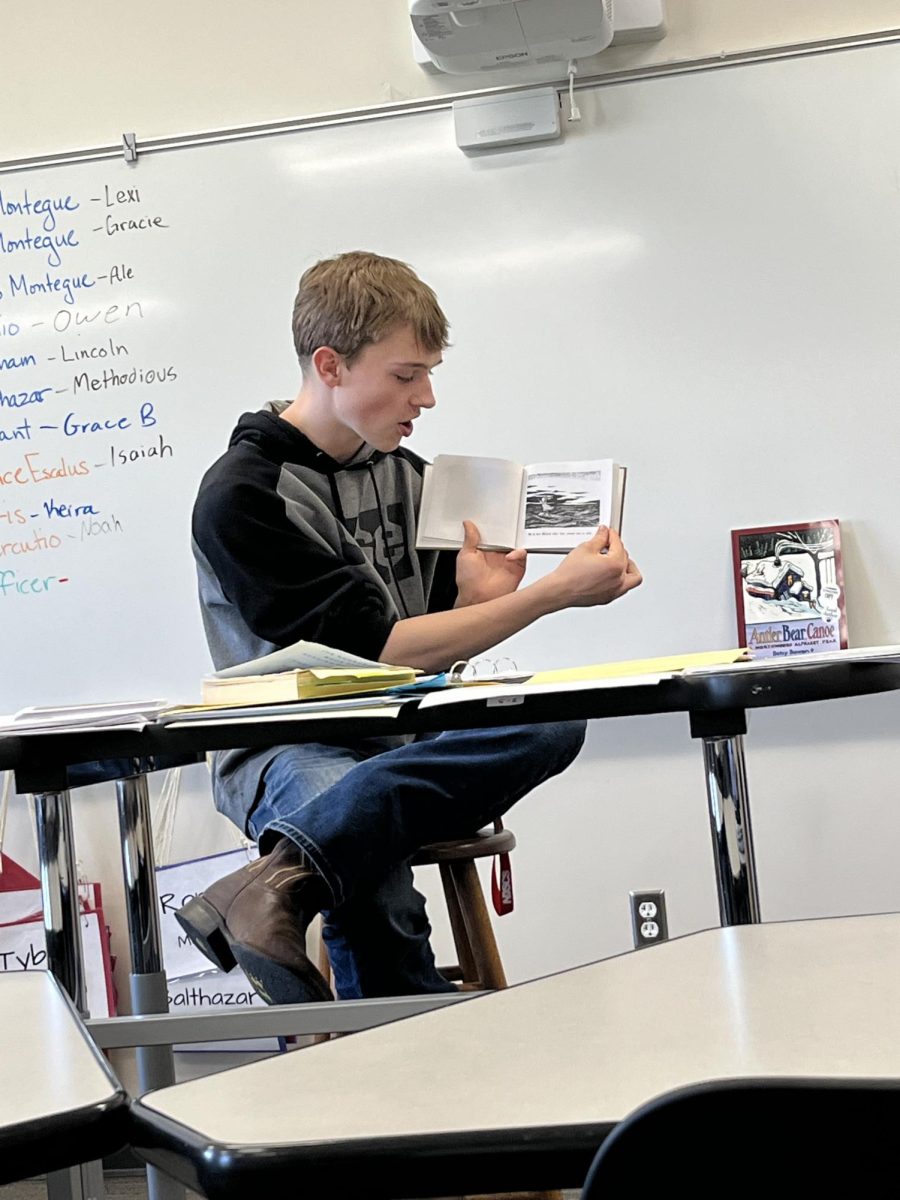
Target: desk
column 519, row 1088
column 715, row 702
column 60, row 1104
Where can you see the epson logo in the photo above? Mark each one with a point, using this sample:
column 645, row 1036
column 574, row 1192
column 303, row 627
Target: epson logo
column 512, row 54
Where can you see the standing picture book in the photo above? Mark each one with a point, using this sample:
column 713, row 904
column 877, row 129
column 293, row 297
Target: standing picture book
column 789, row 588
column 544, row 507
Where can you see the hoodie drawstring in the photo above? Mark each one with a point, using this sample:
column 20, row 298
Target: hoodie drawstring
column 336, row 500
column 383, row 518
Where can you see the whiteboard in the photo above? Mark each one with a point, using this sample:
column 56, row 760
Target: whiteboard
column 700, row 281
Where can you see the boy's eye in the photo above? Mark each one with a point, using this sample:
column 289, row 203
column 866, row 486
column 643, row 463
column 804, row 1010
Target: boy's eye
column 405, row 378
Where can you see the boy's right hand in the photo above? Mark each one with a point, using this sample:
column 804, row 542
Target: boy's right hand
column 596, row 572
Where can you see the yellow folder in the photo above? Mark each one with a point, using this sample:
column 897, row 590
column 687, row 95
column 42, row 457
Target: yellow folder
column 641, row 666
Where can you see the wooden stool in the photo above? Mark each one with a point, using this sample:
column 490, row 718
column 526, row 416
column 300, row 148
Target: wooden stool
column 478, row 966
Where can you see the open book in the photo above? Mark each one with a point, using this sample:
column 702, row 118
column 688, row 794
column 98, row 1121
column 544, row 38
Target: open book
column 543, row 507
column 305, row 684
column 302, row 671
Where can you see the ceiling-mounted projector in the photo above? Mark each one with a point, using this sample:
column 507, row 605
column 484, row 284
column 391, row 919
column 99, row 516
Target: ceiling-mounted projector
column 465, row 36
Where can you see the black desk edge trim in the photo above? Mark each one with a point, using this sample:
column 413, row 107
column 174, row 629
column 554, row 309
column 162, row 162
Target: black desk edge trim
column 408, row 1166
column 60, row 1140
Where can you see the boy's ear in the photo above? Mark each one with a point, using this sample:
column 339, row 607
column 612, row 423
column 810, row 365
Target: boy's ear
column 328, row 366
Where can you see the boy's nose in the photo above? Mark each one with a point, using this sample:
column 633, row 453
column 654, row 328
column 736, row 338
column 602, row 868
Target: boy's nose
column 425, row 396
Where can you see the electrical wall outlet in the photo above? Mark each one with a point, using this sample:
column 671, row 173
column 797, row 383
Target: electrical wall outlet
column 648, row 918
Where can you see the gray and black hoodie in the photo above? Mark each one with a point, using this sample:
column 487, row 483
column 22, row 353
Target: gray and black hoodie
column 291, row 544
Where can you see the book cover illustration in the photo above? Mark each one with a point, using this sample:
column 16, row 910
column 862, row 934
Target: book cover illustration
column 789, row 589
column 559, row 502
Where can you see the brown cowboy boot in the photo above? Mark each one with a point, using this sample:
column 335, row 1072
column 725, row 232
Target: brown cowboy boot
column 257, row 918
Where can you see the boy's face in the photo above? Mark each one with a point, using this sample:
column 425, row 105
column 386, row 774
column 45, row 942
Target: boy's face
column 383, row 391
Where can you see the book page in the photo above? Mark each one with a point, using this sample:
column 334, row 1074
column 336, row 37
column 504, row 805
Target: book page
column 297, row 656
column 461, row 487
column 566, row 501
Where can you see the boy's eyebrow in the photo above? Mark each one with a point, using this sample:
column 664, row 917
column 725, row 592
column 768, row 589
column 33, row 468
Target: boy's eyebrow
column 423, row 366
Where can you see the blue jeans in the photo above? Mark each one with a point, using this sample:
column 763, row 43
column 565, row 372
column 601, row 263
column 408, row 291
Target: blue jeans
column 361, row 815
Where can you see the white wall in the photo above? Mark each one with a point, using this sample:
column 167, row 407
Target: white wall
column 75, row 81
column 78, row 75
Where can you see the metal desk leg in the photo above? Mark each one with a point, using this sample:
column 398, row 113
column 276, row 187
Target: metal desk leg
column 729, row 819
column 77, row 1183
column 59, row 892
column 149, row 993
column 62, row 926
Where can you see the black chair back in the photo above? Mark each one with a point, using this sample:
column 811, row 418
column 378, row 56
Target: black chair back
column 784, row 1137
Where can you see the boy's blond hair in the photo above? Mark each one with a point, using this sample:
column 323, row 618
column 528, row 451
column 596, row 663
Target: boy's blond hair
column 354, row 299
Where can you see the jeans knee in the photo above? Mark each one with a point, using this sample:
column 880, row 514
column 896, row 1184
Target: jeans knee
column 552, row 746
column 566, row 738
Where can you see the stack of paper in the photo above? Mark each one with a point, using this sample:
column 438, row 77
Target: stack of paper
column 71, row 718
column 382, row 704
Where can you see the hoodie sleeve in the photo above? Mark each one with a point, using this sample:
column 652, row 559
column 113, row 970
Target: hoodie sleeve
column 285, row 586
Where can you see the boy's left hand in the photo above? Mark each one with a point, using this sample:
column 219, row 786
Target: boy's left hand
column 485, row 574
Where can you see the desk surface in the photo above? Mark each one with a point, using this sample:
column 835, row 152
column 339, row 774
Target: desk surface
column 60, row 1103
column 561, row 1060
column 716, row 698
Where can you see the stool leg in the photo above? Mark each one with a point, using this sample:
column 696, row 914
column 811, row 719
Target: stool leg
column 518, row 1196
column 324, row 965
column 464, row 956
column 478, row 926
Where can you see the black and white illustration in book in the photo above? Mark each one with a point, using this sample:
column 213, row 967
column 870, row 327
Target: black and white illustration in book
column 571, row 500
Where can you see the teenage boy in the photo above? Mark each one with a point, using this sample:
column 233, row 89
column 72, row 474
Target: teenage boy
column 305, row 528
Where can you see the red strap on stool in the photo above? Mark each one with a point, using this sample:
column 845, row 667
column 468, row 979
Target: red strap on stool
column 502, row 885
